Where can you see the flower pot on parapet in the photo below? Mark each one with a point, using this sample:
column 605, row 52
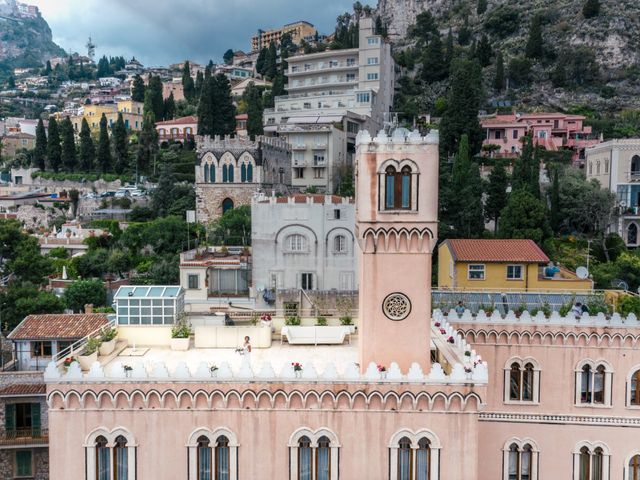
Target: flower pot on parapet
column 107, row 348
column 180, row 344
column 86, row 361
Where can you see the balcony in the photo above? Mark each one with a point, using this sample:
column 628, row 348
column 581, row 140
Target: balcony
column 24, row 437
column 322, row 67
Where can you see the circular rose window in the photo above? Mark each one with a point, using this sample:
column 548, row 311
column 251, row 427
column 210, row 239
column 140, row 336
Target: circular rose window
column 396, row 306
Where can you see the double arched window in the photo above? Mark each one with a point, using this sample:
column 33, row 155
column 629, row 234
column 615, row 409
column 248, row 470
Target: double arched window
column 227, row 173
column 590, row 462
column 246, row 172
column 414, row 456
column 522, row 380
column 593, row 383
column 397, row 188
column 213, row 455
column 520, row 460
column 110, row 455
column 209, row 173
column 313, row 455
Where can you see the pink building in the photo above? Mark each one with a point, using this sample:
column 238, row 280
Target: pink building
column 412, row 396
column 553, row 131
column 178, row 129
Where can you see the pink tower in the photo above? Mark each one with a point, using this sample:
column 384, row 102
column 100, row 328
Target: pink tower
column 396, row 226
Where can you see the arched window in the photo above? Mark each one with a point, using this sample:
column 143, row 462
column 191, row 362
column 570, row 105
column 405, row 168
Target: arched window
column 634, row 468
column 586, row 385
column 323, row 459
column 225, row 174
column 206, row 173
column 592, row 464
column 204, row 459
column 227, row 204
column 632, row 234
column 212, row 173
column 230, row 173
column 103, row 459
column 297, row 243
column 593, row 384
column 121, row 454
column 585, row 464
column 635, row 165
column 304, row 459
column 405, row 459
column 634, row 389
column 520, row 460
column 598, row 167
column 250, row 173
column 423, row 460
column 522, row 380
column 340, row 244
column 397, row 188
column 243, row 173
column 222, row 458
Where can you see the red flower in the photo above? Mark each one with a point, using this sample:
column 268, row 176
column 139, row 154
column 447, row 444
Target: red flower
column 382, row 368
column 437, row 324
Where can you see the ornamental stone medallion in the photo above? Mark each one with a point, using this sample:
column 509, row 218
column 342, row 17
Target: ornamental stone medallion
column 396, row 306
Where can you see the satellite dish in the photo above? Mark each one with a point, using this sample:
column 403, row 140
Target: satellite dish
column 582, row 273
column 619, row 284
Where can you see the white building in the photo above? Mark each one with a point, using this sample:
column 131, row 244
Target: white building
column 303, row 242
column 331, row 96
column 616, row 165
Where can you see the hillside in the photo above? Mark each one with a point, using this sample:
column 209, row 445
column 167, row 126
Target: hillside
column 605, row 47
column 25, row 42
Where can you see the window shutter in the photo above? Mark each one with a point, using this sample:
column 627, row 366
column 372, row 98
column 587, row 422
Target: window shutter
column 10, row 417
column 35, row 419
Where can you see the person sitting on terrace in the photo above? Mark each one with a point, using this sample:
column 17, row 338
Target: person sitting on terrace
column 578, row 309
column 551, row 270
column 460, row 308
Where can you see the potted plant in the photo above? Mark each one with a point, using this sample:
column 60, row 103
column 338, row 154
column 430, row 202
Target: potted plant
column 383, row 372
column 469, row 371
column 90, row 354
column 214, row 370
column 127, row 370
column 347, row 321
column 180, row 336
column 108, row 339
column 297, row 369
column 293, row 321
column 321, row 321
column 67, row 362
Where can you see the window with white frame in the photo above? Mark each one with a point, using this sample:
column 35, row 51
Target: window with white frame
column 297, row 243
column 373, row 40
column 372, row 76
column 633, row 388
column 591, row 461
column 364, row 97
column 520, row 460
column 521, row 380
column 192, row 280
column 340, row 244
column 110, row 455
column 213, row 455
column 414, row 456
column 632, row 467
column 372, row 61
column 313, row 455
column 593, row 384
column 475, row 272
column 514, row 272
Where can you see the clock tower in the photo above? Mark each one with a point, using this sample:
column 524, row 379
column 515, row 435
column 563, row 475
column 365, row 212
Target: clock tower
column 396, row 227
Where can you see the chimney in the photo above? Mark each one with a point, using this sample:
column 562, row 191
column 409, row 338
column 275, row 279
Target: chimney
column 88, row 308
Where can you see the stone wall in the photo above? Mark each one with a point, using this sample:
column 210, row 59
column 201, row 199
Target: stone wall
column 209, row 198
column 40, row 463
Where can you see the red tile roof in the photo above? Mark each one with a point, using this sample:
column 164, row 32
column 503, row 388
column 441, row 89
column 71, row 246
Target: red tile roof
column 179, row 121
column 20, row 389
column 63, row 326
column 472, row 250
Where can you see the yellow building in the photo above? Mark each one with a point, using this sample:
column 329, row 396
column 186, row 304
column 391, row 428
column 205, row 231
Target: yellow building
column 501, row 265
column 299, row 31
column 132, row 113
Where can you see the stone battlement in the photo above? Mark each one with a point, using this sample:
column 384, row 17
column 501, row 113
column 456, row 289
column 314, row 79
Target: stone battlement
column 398, row 137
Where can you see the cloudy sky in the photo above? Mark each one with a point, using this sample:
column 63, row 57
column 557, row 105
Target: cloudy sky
column 160, row 32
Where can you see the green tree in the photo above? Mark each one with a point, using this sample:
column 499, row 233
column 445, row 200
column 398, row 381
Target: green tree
column 165, row 271
column 261, row 60
column 21, row 299
column 591, row 8
column 27, row 263
column 188, row 85
column 104, row 146
column 92, row 264
column 496, row 193
column 228, row 57
column 424, row 29
column 253, row 98
column 198, row 84
column 525, row 216
column 54, row 150
column 526, row 171
column 163, row 194
column 40, row 151
column 434, row 67
column 84, row 292
column 205, row 106
column 463, row 103
column 148, row 138
column 224, row 119
column 519, row 72
column 463, row 211
column 464, row 33
column 484, row 51
column 137, row 89
column 120, row 145
column 87, row 148
column 481, row 7
column 233, row 227
column 155, row 92
column 169, row 107
column 11, row 83
column 74, row 198
column 498, row 82
column 535, row 44
column 69, row 157
column 554, row 201
column 271, row 62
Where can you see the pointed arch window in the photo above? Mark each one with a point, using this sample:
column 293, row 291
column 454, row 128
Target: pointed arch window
column 522, row 381
column 223, row 467
column 243, row 173
column 230, row 179
column 634, row 468
column 632, row 234
column 323, row 459
column 313, row 455
column 635, row 165
column 593, row 384
column 398, row 188
column 213, row 455
column 121, row 458
column 423, row 460
column 204, row 459
column 206, row 173
column 591, row 463
column 405, row 459
column 103, row 459
column 250, row 173
column 304, row 459
column 225, row 173
column 520, row 460
column 634, row 389
column 212, row 173
column 414, row 456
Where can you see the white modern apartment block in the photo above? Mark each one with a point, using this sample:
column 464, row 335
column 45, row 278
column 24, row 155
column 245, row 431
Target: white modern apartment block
column 331, row 96
column 616, row 165
column 303, row 242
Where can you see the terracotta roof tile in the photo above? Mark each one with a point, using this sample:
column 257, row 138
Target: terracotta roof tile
column 508, row 250
column 34, row 389
column 179, row 121
column 66, row 326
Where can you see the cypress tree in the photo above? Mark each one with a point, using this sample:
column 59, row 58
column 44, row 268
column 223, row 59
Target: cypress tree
column 481, row 7
column 198, row 84
column 460, row 116
column 40, row 151
column 271, row 62
column 87, row 149
column 148, row 138
column 205, row 106
column 253, row 98
column 188, row 86
column 137, row 89
column 496, row 193
column 464, row 34
column 104, row 146
column 169, row 107
column 120, row 144
column 554, row 201
column 591, row 8
column 434, row 67
column 449, row 50
column 54, row 151
column 228, row 57
column 525, row 216
column 484, row 51
column 498, row 82
column 69, row 157
column 526, row 171
column 155, row 90
column 535, row 45
column 261, row 60
column 224, row 119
